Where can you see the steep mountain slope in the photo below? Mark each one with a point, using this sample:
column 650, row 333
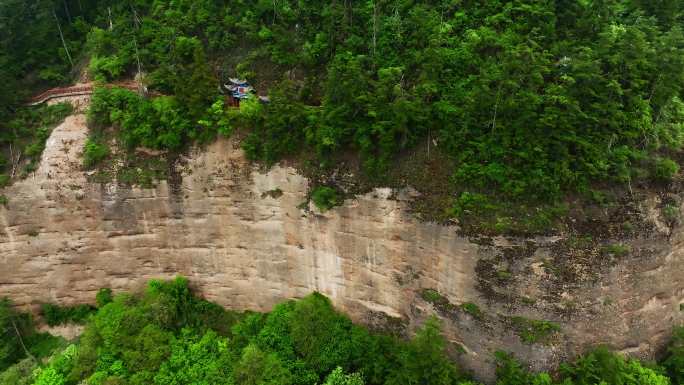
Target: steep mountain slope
column 244, row 239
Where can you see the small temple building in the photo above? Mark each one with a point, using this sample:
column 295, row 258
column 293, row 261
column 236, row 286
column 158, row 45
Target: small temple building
column 238, row 90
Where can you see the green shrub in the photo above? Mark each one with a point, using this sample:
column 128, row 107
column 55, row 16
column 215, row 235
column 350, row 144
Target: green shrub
column 275, row 127
column 103, row 297
column 674, row 361
column 472, row 309
column 472, row 203
column 504, row 275
column 528, row 102
column 431, row 295
column 437, row 299
column 59, row 315
column 17, row 331
column 325, row 198
column 160, row 123
column 94, row 152
column 10, row 345
column 664, row 169
column 598, row 367
column 338, row 377
column 4, row 200
column 617, row 250
column 4, row 180
column 30, row 167
column 105, row 68
column 510, row 372
column 31, row 127
column 671, row 212
column 604, row 367
column 20, row 373
column 533, row 331
column 35, row 148
column 167, row 335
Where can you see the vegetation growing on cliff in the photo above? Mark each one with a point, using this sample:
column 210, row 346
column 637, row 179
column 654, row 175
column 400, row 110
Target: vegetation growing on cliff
column 19, row 338
column 529, row 100
column 166, row 335
column 25, row 137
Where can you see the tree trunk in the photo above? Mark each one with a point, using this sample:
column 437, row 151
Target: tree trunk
column 66, row 9
column 21, row 341
column 61, row 35
column 15, row 159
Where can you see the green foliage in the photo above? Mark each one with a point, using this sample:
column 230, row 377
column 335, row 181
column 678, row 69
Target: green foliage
column 28, row 131
column 534, row 331
column 55, row 373
column 58, row 315
column 472, row 309
column 216, row 119
column 598, row 367
column 617, row 250
column 530, row 100
column 132, row 337
column 17, row 329
column 432, row 296
column 166, row 335
column 674, row 362
column 20, row 373
column 510, row 372
column 274, row 133
column 196, row 359
column 504, row 275
column 671, row 212
column 664, row 170
column 103, row 297
column 257, row 367
column 503, row 216
column 325, row 198
column 438, row 300
column 94, row 152
column 160, row 123
column 10, row 348
column 105, row 68
column 4, row 200
column 602, row 366
column 49, row 376
column 33, row 57
column 4, row 179
column 424, row 361
column 337, row 377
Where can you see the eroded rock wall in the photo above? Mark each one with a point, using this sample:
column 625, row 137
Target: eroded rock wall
column 245, row 240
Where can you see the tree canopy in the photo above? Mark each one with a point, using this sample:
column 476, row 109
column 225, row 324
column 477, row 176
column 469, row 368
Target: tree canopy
column 168, row 336
column 530, row 100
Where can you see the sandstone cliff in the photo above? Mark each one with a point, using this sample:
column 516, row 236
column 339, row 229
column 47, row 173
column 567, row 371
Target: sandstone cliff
column 245, row 240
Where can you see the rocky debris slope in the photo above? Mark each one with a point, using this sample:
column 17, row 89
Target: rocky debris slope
column 247, row 239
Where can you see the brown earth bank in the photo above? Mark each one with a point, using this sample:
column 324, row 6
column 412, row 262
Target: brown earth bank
column 248, row 239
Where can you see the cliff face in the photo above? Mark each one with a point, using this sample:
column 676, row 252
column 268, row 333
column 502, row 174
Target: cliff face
column 244, row 240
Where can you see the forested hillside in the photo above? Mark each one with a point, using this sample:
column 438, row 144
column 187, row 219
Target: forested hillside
column 505, row 117
column 166, row 335
column 527, row 101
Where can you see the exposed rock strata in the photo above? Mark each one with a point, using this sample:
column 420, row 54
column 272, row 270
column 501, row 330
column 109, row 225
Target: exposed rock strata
column 62, row 238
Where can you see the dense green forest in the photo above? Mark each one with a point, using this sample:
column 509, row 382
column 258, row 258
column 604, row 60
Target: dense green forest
column 526, row 101
column 167, row 335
